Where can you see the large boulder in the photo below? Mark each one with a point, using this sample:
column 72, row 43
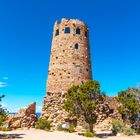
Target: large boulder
column 16, row 124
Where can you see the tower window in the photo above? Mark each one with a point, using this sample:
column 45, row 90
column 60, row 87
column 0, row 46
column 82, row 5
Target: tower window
column 85, row 34
column 67, row 30
column 57, row 32
column 76, row 46
column 78, row 31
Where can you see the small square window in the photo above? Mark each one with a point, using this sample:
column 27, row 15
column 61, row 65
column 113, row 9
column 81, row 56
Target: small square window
column 78, row 31
column 76, row 46
column 57, row 32
column 67, row 30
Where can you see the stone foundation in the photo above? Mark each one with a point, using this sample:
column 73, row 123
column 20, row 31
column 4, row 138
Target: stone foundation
column 53, row 108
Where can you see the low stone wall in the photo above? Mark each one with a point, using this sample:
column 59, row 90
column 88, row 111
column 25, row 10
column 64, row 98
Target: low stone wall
column 25, row 118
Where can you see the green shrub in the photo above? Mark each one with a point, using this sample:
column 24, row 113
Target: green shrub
column 117, row 127
column 2, row 118
column 4, row 129
column 137, row 127
column 85, row 126
column 138, row 131
column 43, row 124
column 70, row 129
column 89, row 134
column 3, row 113
column 128, row 131
column 59, row 127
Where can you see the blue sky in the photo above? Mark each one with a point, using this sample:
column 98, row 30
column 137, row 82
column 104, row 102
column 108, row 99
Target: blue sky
column 25, row 42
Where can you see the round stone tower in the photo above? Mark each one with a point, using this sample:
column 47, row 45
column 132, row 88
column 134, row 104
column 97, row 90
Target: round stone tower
column 70, row 56
column 69, row 64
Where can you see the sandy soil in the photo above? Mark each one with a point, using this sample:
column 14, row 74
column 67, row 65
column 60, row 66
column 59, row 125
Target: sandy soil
column 43, row 135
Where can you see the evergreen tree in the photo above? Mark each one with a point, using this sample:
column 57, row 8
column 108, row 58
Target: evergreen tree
column 2, row 112
column 130, row 103
column 83, row 100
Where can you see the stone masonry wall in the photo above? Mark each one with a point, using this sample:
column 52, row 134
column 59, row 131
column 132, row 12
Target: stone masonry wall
column 69, row 64
column 53, row 108
column 26, row 118
column 70, row 56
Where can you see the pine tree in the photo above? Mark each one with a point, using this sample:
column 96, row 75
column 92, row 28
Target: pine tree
column 83, row 100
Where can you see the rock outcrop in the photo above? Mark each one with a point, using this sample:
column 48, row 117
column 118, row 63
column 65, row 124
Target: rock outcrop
column 106, row 113
column 25, row 118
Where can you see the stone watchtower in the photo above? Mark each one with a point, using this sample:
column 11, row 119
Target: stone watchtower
column 69, row 64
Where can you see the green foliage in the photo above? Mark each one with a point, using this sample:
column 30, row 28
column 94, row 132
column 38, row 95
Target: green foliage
column 120, row 127
column 128, row 131
column 59, row 127
column 85, row 126
column 2, row 118
column 89, row 134
column 4, row 129
column 3, row 113
column 70, row 129
column 83, row 100
column 117, row 127
column 138, row 131
column 130, row 105
column 43, row 124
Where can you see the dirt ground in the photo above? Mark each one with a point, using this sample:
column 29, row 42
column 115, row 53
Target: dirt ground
column 33, row 134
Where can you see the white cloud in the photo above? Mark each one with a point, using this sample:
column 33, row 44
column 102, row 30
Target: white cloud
column 5, row 78
column 3, row 84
